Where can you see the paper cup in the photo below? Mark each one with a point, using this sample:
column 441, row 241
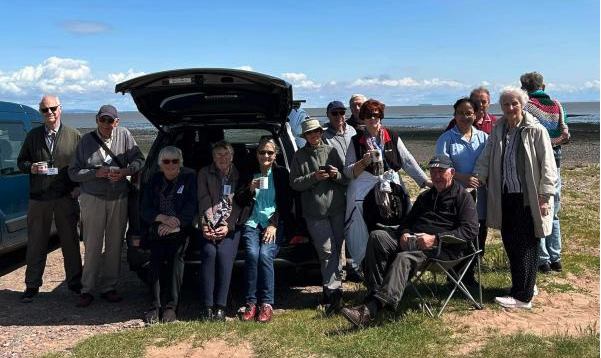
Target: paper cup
column 263, row 182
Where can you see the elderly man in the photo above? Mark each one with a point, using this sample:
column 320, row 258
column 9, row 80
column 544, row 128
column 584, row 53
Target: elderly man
column 355, row 104
column 45, row 156
column 103, row 160
column 390, row 261
column 552, row 116
column 338, row 134
column 484, row 120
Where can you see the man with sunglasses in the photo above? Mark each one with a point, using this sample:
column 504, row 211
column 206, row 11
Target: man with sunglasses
column 45, row 156
column 103, row 160
column 338, row 134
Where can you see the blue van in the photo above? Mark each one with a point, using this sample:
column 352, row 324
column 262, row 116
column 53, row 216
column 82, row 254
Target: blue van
column 15, row 121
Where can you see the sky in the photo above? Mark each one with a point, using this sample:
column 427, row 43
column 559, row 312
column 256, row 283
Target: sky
column 399, row 52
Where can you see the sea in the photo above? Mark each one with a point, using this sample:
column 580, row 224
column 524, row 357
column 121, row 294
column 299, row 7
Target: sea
column 422, row 116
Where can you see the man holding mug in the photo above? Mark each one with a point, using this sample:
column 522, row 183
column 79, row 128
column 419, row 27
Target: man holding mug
column 45, row 155
column 104, row 200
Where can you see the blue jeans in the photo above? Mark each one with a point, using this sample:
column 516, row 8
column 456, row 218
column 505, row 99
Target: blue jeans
column 216, row 268
column 258, row 266
column 550, row 246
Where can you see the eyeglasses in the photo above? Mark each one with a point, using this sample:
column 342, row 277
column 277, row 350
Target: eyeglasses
column 106, row 119
column 338, row 113
column 267, row 152
column 170, row 161
column 48, row 109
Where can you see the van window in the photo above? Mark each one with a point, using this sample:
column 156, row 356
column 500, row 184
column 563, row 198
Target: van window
column 12, row 136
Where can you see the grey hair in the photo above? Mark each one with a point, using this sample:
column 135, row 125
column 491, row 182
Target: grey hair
column 532, row 81
column 480, row 89
column 223, row 144
column 270, row 141
column 50, row 96
column 172, row 153
column 357, row 95
column 515, row 91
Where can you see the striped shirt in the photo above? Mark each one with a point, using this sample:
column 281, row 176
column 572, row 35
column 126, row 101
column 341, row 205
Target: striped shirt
column 511, row 181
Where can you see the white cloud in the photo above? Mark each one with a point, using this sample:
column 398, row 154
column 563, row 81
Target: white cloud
column 300, row 80
column 244, row 68
column 85, row 27
column 120, row 77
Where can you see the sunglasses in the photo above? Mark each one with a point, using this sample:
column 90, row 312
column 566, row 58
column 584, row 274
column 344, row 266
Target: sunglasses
column 170, row 161
column 49, row 109
column 267, row 152
column 373, row 115
column 338, row 113
column 106, row 119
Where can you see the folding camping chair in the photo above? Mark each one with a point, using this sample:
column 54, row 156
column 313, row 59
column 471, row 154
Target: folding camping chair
column 436, row 266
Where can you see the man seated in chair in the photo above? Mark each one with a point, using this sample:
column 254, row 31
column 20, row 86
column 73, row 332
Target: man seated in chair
column 391, row 259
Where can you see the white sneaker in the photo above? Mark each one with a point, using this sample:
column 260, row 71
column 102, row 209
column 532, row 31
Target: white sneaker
column 510, row 302
column 535, row 291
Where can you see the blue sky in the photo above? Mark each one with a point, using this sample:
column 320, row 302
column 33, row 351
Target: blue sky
column 403, row 53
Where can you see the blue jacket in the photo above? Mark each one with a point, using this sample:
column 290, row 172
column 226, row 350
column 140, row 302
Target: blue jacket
column 186, row 203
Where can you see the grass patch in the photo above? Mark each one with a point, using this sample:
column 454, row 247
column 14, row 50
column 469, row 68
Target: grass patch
column 527, row 345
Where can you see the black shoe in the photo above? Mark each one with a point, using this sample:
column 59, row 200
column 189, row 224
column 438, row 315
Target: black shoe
column 359, row 316
column 152, row 316
column 219, row 314
column 556, row 266
column 169, row 316
column 545, row 268
column 206, row 314
column 75, row 288
column 354, row 275
column 29, row 294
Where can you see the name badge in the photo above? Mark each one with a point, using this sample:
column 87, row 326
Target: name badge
column 180, row 190
column 52, row 171
column 227, row 189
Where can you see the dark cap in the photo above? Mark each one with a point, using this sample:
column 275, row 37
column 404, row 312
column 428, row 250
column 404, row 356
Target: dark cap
column 335, row 105
column 440, row 161
column 108, row 110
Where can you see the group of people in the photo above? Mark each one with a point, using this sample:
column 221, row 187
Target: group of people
column 348, row 183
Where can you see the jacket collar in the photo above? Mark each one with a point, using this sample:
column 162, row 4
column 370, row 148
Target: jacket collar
column 386, row 135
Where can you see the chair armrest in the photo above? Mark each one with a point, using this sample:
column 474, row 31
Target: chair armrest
column 450, row 240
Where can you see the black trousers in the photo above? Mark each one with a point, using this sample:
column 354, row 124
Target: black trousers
column 387, row 271
column 517, row 231
column 167, row 271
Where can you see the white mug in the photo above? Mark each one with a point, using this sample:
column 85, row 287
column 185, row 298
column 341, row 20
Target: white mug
column 42, row 167
column 376, row 156
column 263, row 183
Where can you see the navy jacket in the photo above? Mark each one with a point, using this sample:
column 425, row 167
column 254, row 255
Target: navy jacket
column 186, row 202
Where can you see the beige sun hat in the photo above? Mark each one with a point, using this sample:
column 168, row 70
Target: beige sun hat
column 309, row 125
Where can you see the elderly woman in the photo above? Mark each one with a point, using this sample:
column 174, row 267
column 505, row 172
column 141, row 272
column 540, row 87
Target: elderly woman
column 518, row 167
column 463, row 144
column 168, row 207
column 379, row 149
column 315, row 173
column 269, row 197
column 219, row 243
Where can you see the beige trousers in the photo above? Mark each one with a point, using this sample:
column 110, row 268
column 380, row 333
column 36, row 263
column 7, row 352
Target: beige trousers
column 104, row 223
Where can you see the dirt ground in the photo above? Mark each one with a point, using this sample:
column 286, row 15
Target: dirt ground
column 52, row 323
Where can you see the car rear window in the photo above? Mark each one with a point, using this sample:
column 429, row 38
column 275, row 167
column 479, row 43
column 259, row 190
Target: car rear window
column 246, row 136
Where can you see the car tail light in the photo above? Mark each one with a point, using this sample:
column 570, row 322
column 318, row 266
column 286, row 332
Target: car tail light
column 298, row 239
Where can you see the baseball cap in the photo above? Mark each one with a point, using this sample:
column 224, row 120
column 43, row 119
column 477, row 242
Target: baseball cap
column 440, row 161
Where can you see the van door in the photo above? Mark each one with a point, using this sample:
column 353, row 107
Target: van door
column 14, row 185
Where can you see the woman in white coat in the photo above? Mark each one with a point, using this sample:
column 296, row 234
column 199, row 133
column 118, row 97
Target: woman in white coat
column 518, row 167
